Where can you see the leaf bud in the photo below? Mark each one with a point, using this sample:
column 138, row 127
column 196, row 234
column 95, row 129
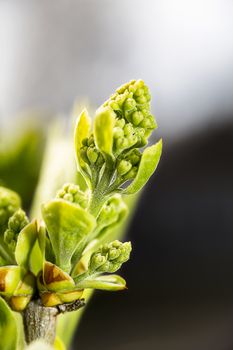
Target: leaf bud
column 9, row 203
column 15, row 224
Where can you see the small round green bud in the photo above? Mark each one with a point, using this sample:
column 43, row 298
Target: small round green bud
column 68, row 197
column 148, row 97
column 128, row 129
column 142, row 99
column 118, row 132
column 90, row 141
column 114, row 105
column 72, row 189
column 73, row 194
column 120, row 142
column 123, row 167
column 116, row 244
column 129, row 104
column 15, row 224
column 120, row 123
column 137, row 117
column 133, row 156
column 110, row 257
column 83, row 154
column 85, row 141
column 114, row 253
column 9, row 235
column 148, row 122
column 92, row 154
column 131, row 174
column 139, row 92
column 96, row 261
column 9, row 203
column 105, row 267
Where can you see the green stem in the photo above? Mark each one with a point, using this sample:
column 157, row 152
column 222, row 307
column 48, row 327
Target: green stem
column 88, row 275
column 99, row 196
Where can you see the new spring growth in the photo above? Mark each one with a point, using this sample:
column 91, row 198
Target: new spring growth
column 73, row 194
column 134, row 122
column 15, row 224
column 109, row 257
column 69, row 251
column 9, row 203
column 113, row 212
column 113, row 158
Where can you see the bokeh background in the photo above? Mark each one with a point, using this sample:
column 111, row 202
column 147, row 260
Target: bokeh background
column 180, row 277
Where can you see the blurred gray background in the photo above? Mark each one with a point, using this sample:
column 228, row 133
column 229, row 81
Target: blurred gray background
column 52, row 52
column 180, row 277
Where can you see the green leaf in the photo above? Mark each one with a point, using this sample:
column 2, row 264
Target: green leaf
column 82, row 130
column 149, row 161
column 20, row 330
column 10, row 277
column 67, row 226
column 37, row 256
column 29, row 252
column 103, row 129
column 110, row 282
column 8, row 328
column 55, row 279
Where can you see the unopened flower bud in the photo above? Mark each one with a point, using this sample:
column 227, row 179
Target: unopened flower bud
column 137, row 117
column 15, row 224
column 120, row 123
column 110, row 257
column 73, row 194
column 123, row 167
column 92, row 154
column 9, row 203
column 131, row 174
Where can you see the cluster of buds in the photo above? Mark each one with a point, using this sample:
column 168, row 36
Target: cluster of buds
column 56, row 286
column 9, row 203
column 122, row 126
column 16, row 287
column 127, row 165
column 44, row 257
column 73, row 194
column 134, row 122
column 110, row 257
column 90, row 154
column 15, row 224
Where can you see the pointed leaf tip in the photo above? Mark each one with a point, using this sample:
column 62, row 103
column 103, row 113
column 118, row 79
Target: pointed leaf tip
column 103, row 129
column 148, row 164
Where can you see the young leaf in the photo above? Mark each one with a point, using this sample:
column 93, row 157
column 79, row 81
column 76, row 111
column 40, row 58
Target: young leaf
column 8, row 328
column 149, row 161
column 28, row 253
column 10, row 277
column 103, row 129
column 110, row 282
column 82, row 130
column 54, row 279
column 67, row 226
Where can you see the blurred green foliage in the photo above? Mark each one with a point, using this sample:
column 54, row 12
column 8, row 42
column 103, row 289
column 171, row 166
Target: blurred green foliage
column 21, row 153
